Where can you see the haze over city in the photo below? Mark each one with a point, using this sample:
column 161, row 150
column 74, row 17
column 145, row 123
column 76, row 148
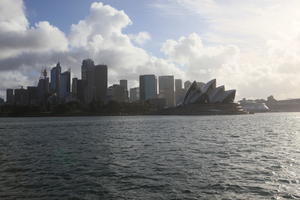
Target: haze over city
column 251, row 46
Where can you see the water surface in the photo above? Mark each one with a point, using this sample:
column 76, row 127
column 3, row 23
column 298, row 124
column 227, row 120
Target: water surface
column 151, row 157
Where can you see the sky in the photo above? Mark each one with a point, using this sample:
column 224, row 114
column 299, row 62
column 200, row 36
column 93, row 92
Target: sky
column 252, row 46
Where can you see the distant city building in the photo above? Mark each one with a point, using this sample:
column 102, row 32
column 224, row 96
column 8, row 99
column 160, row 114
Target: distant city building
column 33, row 95
column 74, row 87
column 78, row 89
column 1, row 101
column 100, row 82
column 65, row 85
column 55, row 79
column 86, row 64
column 166, row 89
column 187, row 85
column 117, row 93
column 124, row 84
column 178, row 85
column 10, row 97
column 95, row 81
column 179, row 91
column 134, row 94
column 43, row 88
column 21, row 97
column 148, row 87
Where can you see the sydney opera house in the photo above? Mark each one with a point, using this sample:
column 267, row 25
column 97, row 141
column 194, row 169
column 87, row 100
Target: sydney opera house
column 206, row 99
column 200, row 93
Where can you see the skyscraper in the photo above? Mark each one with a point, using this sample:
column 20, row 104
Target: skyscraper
column 124, row 84
column 148, row 87
column 43, row 87
column 10, row 97
column 100, row 82
column 55, row 79
column 178, row 85
column 86, row 64
column 94, row 80
column 74, row 87
column 65, row 85
column 179, row 91
column 166, row 89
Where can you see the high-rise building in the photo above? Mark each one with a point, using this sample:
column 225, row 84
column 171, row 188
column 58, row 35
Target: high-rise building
column 148, row 87
column 94, row 80
column 80, row 90
column 74, row 87
column 1, row 101
column 10, row 97
column 43, row 87
column 134, row 94
column 179, row 91
column 65, row 85
column 166, row 89
column 55, row 79
column 178, row 85
column 100, row 82
column 33, row 95
column 124, row 84
column 86, row 64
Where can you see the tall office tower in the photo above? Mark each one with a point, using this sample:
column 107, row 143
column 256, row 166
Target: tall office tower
column 74, row 87
column 94, row 81
column 187, row 85
column 80, row 90
column 179, row 92
column 55, row 79
column 178, row 85
column 166, row 89
column 43, row 87
column 100, row 77
column 65, row 85
column 124, row 84
column 148, row 87
column 86, row 64
column 134, row 94
column 10, row 97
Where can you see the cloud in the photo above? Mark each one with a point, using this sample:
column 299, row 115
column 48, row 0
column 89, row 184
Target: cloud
column 99, row 36
column 242, row 46
column 140, row 38
column 253, row 45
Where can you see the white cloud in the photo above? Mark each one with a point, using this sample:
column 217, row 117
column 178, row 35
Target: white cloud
column 266, row 35
column 140, row 38
column 242, row 47
column 99, row 36
column 16, row 37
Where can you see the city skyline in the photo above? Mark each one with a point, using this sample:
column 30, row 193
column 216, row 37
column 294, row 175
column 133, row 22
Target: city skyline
column 61, row 87
column 193, row 40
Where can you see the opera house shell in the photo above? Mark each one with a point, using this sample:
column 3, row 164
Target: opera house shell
column 206, row 99
column 200, row 93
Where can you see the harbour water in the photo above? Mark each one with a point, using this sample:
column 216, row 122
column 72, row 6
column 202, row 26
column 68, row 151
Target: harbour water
column 151, row 157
